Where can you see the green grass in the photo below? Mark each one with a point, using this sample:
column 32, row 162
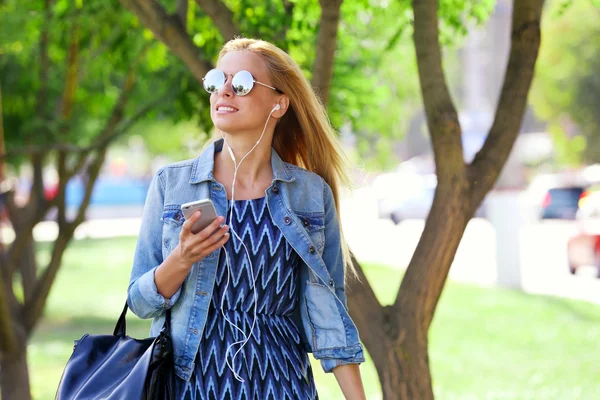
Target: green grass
column 484, row 343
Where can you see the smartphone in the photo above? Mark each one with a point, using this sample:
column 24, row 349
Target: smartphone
column 209, row 213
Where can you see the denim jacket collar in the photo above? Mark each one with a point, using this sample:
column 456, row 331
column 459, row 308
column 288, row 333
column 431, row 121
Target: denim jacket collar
column 203, row 166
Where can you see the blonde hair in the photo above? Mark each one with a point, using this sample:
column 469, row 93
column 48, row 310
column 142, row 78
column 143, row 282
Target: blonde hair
column 304, row 135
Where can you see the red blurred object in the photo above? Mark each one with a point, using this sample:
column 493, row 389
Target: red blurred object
column 583, row 248
column 547, row 200
column 583, row 197
column 50, row 192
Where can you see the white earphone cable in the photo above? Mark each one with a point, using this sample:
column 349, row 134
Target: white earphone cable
column 253, row 279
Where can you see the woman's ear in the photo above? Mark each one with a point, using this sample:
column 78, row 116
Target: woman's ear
column 284, row 103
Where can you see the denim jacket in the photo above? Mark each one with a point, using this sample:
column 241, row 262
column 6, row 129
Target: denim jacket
column 301, row 205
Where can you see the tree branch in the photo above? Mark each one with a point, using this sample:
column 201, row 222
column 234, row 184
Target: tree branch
column 525, row 43
column 36, row 197
column 182, row 10
column 442, row 118
column 63, row 179
column 100, row 142
column 65, row 107
column 24, row 219
column 7, row 337
column 6, row 267
column 288, row 9
column 221, row 16
column 33, row 309
column 28, row 270
column 326, row 45
column 2, row 143
column 373, row 325
column 44, row 59
column 104, row 46
column 170, row 32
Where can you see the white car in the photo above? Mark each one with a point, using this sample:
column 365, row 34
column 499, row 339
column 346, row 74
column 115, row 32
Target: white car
column 402, row 196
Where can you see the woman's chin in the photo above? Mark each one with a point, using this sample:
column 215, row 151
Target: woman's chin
column 226, row 126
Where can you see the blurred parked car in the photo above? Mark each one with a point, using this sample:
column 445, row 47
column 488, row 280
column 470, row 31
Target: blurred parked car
column 562, row 202
column 404, row 195
column 583, row 249
column 401, row 197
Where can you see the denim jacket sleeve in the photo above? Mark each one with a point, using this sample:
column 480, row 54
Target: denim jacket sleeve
column 334, row 261
column 142, row 295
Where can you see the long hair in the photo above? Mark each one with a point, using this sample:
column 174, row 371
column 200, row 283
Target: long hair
column 304, row 135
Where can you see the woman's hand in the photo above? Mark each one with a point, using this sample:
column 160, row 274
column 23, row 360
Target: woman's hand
column 195, row 247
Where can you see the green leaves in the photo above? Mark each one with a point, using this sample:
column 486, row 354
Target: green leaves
column 92, row 46
column 374, row 88
column 566, row 89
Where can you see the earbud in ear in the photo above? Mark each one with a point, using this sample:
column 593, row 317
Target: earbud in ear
column 277, row 107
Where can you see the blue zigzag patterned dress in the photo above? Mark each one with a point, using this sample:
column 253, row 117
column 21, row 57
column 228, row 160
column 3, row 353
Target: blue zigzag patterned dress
column 272, row 364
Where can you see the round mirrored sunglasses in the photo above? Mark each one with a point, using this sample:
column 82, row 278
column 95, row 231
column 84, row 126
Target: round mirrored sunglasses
column 241, row 83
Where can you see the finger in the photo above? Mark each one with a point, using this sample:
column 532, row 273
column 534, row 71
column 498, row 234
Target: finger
column 201, row 242
column 187, row 225
column 200, row 245
column 219, row 243
column 206, row 232
column 217, row 235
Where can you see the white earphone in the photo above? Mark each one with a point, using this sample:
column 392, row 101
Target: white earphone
column 234, row 234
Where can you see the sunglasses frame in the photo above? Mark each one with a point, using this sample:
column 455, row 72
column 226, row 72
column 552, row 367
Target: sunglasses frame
column 233, row 77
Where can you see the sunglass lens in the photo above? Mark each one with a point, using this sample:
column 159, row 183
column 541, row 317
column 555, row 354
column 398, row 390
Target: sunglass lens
column 242, row 83
column 214, row 80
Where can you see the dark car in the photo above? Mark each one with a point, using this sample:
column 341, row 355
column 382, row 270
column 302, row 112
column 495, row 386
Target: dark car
column 562, row 203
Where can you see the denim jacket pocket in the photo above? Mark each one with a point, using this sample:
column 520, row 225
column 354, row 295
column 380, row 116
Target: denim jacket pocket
column 326, row 322
column 172, row 219
column 172, row 215
column 314, row 224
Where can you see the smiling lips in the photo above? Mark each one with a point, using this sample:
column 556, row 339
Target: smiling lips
column 225, row 109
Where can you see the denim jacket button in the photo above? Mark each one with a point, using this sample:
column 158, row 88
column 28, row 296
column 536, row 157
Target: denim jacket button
column 275, row 189
column 306, row 222
column 312, row 250
column 287, row 220
column 331, row 282
column 177, row 216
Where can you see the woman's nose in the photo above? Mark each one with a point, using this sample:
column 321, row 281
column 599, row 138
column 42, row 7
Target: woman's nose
column 227, row 89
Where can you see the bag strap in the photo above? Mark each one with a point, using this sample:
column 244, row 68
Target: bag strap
column 121, row 327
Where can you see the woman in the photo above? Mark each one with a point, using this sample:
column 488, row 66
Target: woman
column 263, row 285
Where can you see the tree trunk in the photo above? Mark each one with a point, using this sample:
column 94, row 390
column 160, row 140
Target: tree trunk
column 397, row 336
column 325, row 48
column 395, row 340
column 404, row 372
column 14, row 375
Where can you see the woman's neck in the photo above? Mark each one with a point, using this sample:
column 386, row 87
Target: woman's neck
column 255, row 167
